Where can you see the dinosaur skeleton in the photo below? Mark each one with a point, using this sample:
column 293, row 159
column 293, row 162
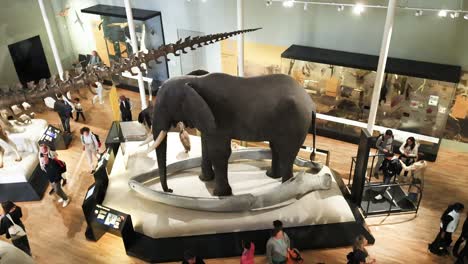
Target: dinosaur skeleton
column 6, row 126
column 13, row 98
column 79, row 78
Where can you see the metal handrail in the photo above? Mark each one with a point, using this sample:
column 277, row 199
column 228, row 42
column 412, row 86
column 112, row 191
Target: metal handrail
column 420, row 192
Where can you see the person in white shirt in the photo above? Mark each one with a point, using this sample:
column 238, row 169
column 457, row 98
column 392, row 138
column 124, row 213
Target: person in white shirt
column 79, row 110
column 90, row 145
column 409, row 152
column 98, row 95
column 448, row 225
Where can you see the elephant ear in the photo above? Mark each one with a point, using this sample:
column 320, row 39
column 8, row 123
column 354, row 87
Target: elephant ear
column 197, row 110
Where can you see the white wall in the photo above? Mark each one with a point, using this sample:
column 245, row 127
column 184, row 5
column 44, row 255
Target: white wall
column 426, row 38
column 20, row 20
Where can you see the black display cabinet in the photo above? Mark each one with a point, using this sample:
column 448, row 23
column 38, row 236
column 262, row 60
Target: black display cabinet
column 116, row 36
column 415, row 100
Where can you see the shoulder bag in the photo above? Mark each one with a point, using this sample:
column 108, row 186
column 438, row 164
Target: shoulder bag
column 15, row 230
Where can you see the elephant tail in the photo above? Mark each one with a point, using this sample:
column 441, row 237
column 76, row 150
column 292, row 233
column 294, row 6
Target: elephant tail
column 313, row 129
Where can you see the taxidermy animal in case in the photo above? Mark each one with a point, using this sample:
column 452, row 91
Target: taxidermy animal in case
column 272, row 108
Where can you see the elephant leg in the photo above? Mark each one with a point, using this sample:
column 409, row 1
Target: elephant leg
column 287, row 153
column 207, row 173
column 219, row 154
column 273, row 171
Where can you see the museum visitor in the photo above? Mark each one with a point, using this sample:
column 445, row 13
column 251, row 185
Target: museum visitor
column 409, row 152
column 448, row 225
column 359, row 254
column 12, row 226
column 278, row 245
column 460, row 254
column 383, row 144
column 90, row 146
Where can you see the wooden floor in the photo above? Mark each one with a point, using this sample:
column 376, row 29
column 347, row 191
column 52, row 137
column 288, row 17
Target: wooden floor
column 56, row 234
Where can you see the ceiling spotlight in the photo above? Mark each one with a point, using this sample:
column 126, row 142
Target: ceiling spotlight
column 442, row 13
column 268, row 3
column 305, row 6
column 358, row 9
column 418, row 13
column 454, row 15
column 288, row 3
column 465, row 16
column 340, row 8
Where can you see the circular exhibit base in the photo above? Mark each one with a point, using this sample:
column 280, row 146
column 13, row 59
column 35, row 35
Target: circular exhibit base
column 252, row 188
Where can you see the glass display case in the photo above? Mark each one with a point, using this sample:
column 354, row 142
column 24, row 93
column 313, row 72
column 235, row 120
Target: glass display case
column 113, row 41
column 411, row 106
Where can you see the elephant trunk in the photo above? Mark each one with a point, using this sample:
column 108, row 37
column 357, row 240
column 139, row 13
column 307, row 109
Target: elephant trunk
column 161, row 152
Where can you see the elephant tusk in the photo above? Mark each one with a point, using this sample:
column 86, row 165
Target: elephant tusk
column 147, row 140
column 157, row 142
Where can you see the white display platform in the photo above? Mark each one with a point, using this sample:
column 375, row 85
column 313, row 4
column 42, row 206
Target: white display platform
column 159, row 220
column 27, row 140
column 12, row 255
column 15, row 172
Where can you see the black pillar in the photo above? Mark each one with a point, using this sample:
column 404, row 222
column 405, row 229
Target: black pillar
column 360, row 169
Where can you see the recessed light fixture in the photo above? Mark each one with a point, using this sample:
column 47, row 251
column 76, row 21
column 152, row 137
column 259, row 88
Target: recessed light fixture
column 340, row 8
column 418, row 13
column 268, row 3
column 305, row 6
column 288, row 3
column 465, row 16
column 454, row 15
column 442, row 13
column 358, row 9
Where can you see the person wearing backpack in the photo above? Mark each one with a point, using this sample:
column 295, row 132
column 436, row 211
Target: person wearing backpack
column 12, row 226
column 90, row 145
column 384, row 144
column 54, row 169
column 45, row 150
column 448, row 225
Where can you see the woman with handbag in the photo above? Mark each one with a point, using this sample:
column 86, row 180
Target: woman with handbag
column 12, row 226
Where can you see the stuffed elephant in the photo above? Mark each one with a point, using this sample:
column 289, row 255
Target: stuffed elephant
column 273, row 108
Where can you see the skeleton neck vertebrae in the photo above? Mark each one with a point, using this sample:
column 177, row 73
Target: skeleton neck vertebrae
column 17, row 94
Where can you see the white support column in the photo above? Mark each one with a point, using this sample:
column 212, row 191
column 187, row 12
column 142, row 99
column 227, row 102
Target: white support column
column 131, row 27
column 387, row 36
column 51, row 39
column 240, row 38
